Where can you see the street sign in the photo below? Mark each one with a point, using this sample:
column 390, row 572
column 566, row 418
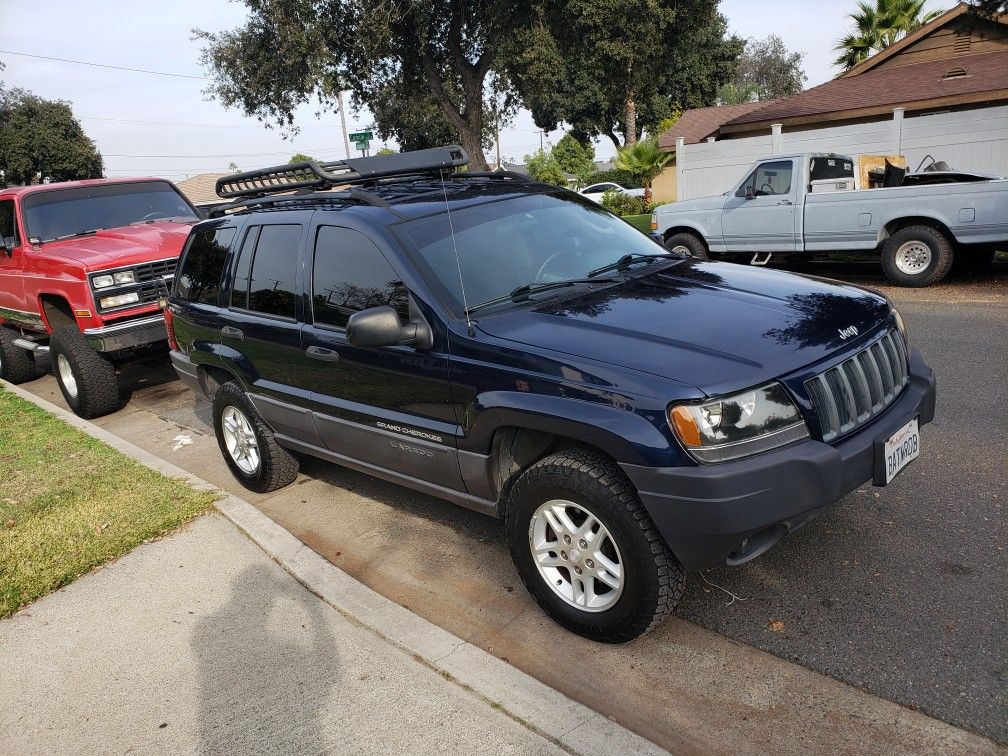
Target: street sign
column 362, row 140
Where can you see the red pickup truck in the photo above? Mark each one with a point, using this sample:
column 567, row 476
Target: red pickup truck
column 85, row 267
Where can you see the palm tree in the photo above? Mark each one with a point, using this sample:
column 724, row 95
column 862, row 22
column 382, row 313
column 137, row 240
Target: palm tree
column 735, row 94
column 644, row 160
column 878, row 25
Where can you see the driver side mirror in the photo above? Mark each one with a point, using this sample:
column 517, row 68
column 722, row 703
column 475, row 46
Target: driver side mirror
column 381, row 326
column 7, row 245
column 749, row 192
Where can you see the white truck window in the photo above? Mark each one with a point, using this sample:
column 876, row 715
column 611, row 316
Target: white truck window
column 769, row 179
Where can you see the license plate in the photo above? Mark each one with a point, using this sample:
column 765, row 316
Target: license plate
column 900, row 449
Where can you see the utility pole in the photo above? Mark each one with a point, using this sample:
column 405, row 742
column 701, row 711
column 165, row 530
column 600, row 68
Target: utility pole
column 342, row 115
column 542, row 133
column 497, row 129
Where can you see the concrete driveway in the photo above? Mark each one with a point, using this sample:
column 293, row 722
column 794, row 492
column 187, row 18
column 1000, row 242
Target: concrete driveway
column 899, row 591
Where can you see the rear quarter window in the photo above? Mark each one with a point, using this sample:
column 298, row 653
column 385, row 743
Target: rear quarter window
column 202, row 266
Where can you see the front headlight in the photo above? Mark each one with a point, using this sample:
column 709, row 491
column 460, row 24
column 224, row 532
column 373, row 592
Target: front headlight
column 119, row 300
column 124, row 277
column 738, row 425
column 102, row 282
column 901, row 327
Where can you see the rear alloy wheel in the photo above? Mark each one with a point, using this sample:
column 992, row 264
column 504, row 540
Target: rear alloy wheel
column 248, row 445
column 687, row 244
column 587, row 550
column 17, row 365
column 86, row 377
column 917, row 256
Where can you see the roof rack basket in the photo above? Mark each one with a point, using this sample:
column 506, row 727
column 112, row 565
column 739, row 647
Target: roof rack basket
column 311, row 174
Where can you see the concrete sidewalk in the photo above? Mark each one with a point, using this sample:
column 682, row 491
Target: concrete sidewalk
column 200, row 642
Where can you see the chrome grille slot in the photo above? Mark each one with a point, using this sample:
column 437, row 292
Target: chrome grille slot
column 850, row 394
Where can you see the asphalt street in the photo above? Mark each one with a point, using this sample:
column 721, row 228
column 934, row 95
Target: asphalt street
column 900, row 591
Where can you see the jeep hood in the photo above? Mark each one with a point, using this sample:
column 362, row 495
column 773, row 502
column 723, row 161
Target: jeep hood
column 116, row 247
column 717, row 326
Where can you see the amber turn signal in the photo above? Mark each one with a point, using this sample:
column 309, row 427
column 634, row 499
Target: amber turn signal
column 685, row 426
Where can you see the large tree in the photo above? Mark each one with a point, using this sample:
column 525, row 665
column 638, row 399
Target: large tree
column 421, row 66
column 40, row 136
column 877, row 25
column 768, row 70
column 615, row 68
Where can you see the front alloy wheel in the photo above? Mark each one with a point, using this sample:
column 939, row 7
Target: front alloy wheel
column 587, row 550
column 576, row 555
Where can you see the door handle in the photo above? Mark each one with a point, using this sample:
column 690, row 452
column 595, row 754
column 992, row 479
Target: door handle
column 784, row 202
column 232, row 333
column 321, row 353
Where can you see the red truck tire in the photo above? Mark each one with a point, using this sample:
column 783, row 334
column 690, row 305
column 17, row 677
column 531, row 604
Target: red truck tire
column 87, row 378
column 17, row 365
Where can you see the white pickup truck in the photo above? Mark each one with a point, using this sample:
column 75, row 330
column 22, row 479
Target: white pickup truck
column 804, row 204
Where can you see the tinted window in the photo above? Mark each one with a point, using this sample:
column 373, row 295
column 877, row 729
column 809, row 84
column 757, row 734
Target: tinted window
column 240, row 285
column 8, row 227
column 768, row 179
column 64, row 212
column 203, row 266
column 351, row 274
column 274, row 269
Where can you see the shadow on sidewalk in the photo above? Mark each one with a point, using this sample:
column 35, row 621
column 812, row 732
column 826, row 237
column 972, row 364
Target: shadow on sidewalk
column 267, row 663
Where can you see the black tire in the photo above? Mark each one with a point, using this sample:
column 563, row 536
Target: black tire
column 652, row 576
column 95, row 388
column 17, row 365
column 692, row 243
column 935, row 251
column 276, row 466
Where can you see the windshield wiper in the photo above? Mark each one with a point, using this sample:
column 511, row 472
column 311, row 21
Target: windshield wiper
column 523, row 292
column 76, row 234
column 627, row 260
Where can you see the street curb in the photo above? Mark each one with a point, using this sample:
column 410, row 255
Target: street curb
column 569, row 724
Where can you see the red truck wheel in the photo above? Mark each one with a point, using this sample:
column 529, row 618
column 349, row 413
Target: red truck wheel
column 17, row 365
column 87, row 378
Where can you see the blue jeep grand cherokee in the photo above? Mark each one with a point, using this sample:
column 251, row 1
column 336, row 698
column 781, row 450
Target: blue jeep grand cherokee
column 514, row 348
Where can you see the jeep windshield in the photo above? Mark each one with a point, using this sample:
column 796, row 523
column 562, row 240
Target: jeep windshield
column 515, row 245
column 66, row 213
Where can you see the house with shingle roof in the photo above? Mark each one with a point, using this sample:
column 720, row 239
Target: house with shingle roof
column 946, row 80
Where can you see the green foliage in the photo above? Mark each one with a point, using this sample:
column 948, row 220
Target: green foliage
column 623, row 178
column 575, row 157
column 621, row 203
column 735, row 94
column 650, row 206
column 768, row 71
column 645, row 160
column 42, row 136
column 421, row 67
column 878, row 25
column 666, row 123
column 543, row 166
column 617, row 67
column 300, row 157
column 385, row 151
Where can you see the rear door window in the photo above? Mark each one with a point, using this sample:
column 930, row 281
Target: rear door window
column 199, row 279
column 272, row 278
column 350, row 274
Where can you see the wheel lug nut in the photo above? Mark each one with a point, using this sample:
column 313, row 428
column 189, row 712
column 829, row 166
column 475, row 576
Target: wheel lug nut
column 590, row 564
column 563, row 554
column 583, row 543
column 577, row 570
column 567, row 539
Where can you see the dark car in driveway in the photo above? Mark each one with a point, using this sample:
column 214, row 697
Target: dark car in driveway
column 516, row 349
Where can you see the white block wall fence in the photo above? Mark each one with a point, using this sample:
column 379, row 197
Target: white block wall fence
column 968, row 140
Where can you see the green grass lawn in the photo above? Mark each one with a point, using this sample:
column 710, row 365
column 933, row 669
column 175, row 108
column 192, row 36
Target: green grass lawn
column 640, row 222
column 69, row 503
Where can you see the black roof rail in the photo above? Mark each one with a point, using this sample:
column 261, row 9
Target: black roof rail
column 292, row 198
column 311, row 174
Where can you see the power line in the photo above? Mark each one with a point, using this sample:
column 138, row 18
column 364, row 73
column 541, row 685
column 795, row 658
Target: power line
column 105, row 65
column 291, row 151
column 188, row 123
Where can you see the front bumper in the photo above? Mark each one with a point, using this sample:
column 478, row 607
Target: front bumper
column 128, row 333
column 729, row 513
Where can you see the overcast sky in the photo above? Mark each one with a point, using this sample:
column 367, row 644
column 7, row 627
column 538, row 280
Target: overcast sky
column 159, row 125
